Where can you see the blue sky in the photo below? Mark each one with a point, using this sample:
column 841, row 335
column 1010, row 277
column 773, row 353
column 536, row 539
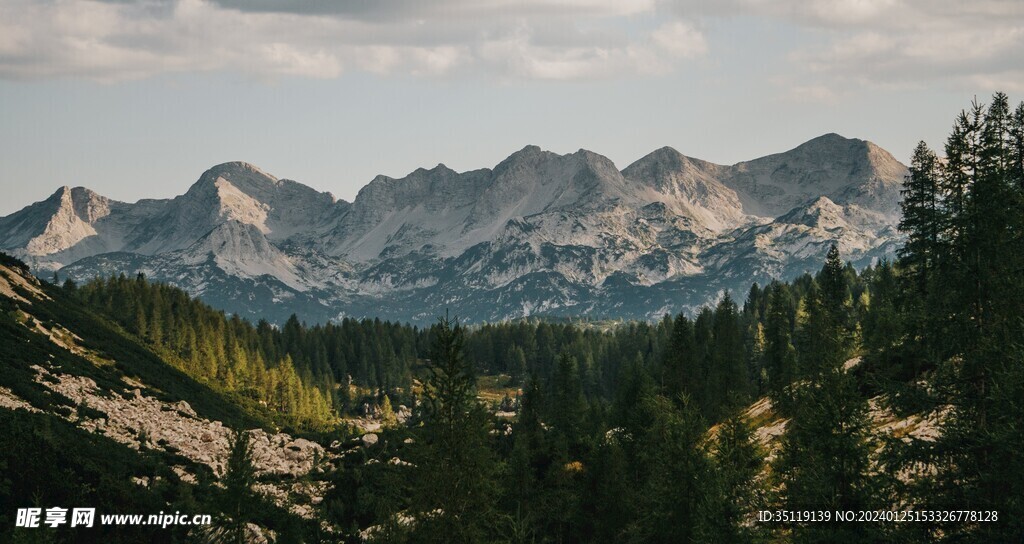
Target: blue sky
column 136, row 98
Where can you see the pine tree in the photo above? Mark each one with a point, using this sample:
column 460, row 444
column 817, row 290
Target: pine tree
column 387, row 413
column 921, row 222
column 835, row 298
column 529, row 460
column 237, row 502
column 780, row 355
column 676, row 500
column 820, row 341
column 755, row 345
column 567, row 404
column 679, row 369
column 703, row 345
column 978, row 381
column 824, row 462
column 453, row 483
column 728, row 377
column 517, row 364
column 884, row 326
column 738, row 462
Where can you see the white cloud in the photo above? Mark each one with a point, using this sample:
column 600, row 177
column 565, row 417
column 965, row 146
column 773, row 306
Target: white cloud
column 953, row 43
column 839, row 43
column 681, row 39
column 116, row 40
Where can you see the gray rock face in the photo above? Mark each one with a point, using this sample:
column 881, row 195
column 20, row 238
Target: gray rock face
column 142, row 421
column 540, row 233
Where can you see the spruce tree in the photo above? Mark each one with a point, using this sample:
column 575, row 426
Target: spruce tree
column 780, row 355
column 677, row 498
column 738, row 462
column 679, row 368
column 824, row 462
column 921, row 224
column 237, row 502
column 728, row 378
column 835, row 298
column 825, row 459
column 567, row 405
column 976, row 389
column 453, row 483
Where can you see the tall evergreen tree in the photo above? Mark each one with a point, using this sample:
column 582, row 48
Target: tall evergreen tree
column 728, row 377
column 977, row 387
column 676, row 503
column 453, row 485
column 921, row 222
column 824, row 462
column 780, row 354
column 237, row 501
column 679, row 369
column 738, row 462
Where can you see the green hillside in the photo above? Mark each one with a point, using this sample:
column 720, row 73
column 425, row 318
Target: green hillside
column 48, row 460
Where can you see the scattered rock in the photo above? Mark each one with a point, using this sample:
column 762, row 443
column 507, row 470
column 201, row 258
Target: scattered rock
column 170, row 426
column 13, row 402
column 184, row 475
column 185, row 409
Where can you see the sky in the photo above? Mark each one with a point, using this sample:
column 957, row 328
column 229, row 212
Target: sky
column 135, row 99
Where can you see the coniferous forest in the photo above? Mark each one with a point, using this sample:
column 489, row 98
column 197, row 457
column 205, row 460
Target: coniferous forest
column 663, row 432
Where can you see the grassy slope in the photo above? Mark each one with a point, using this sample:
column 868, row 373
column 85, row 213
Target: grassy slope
column 21, row 348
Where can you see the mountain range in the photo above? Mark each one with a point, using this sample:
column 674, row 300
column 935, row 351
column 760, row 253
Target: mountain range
column 539, row 234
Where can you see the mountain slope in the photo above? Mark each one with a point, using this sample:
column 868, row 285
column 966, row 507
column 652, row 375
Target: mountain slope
column 538, row 233
column 92, row 416
column 848, row 171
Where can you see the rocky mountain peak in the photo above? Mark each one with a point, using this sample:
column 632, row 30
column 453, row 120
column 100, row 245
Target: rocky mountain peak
column 687, row 186
column 242, row 249
column 244, row 176
column 540, row 230
column 239, row 191
column 528, row 155
column 62, row 192
column 64, row 219
column 232, row 168
column 666, row 163
column 88, row 205
column 664, row 157
column 854, row 152
column 830, row 140
column 76, row 197
column 830, row 165
column 441, row 169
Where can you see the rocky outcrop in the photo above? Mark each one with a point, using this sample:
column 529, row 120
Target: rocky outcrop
column 142, row 421
column 11, row 401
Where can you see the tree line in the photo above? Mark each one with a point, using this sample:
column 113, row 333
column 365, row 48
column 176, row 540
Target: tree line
column 638, row 433
column 668, row 454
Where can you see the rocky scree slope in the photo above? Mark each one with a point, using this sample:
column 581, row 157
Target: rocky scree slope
column 70, row 371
